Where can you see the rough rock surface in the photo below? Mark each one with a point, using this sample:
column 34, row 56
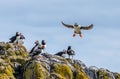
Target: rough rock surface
column 15, row 63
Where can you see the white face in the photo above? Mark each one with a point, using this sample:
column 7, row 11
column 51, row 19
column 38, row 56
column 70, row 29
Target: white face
column 19, row 33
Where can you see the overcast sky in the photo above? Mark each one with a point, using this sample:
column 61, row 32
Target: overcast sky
column 41, row 19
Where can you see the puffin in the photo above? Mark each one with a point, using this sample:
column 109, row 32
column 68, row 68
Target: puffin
column 43, row 44
column 36, row 45
column 70, row 52
column 36, row 50
column 17, row 39
column 62, row 53
column 77, row 28
column 13, row 38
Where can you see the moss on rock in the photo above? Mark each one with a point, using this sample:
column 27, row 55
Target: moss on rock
column 4, row 76
column 9, row 58
column 34, row 71
column 63, row 70
column 79, row 73
column 118, row 76
column 56, row 76
column 15, row 63
column 7, row 70
column 103, row 74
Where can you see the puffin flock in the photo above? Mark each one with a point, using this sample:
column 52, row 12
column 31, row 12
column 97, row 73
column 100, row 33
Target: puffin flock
column 17, row 41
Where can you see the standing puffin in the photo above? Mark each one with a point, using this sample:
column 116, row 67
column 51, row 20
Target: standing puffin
column 70, row 52
column 36, row 50
column 43, row 45
column 77, row 28
column 62, row 53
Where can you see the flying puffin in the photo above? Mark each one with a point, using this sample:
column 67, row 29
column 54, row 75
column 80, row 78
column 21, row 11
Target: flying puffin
column 77, row 28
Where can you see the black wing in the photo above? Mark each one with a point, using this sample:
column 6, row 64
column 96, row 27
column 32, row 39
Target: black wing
column 12, row 39
column 87, row 27
column 68, row 26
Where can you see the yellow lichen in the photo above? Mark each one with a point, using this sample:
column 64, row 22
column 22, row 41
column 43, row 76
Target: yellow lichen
column 28, row 73
column 23, row 53
column 9, row 73
column 9, row 45
column 21, row 60
column 7, row 70
column 4, row 76
column 34, row 71
column 103, row 74
column 23, row 48
column 56, row 76
column 1, row 60
column 10, row 53
column 118, row 76
column 63, row 70
column 38, row 71
column 79, row 73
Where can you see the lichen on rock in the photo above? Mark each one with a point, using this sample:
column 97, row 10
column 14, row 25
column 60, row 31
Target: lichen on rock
column 34, row 71
column 15, row 63
column 63, row 70
column 8, row 60
column 79, row 73
column 7, row 70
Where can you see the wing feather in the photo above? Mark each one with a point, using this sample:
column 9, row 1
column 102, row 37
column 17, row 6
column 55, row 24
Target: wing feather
column 87, row 27
column 68, row 26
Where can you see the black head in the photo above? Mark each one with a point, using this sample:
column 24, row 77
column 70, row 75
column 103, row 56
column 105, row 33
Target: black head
column 43, row 42
column 37, row 42
column 69, row 47
column 17, row 33
column 76, row 24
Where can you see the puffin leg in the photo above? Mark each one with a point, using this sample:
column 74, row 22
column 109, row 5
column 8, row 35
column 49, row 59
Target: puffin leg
column 80, row 35
column 74, row 35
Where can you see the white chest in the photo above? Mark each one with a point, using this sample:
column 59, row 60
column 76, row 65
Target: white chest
column 77, row 29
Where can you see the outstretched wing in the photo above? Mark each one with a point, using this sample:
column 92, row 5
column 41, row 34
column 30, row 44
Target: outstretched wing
column 68, row 26
column 87, row 27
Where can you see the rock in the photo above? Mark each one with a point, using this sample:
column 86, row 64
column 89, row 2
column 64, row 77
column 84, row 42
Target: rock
column 17, row 64
column 11, row 62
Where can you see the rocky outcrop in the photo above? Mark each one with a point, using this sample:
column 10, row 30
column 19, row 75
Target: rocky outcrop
column 12, row 60
column 15, row 63
column 98, row 73
column 47, row 66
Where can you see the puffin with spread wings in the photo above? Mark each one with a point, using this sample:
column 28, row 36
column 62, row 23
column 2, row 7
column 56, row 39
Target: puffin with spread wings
column 77, row 28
